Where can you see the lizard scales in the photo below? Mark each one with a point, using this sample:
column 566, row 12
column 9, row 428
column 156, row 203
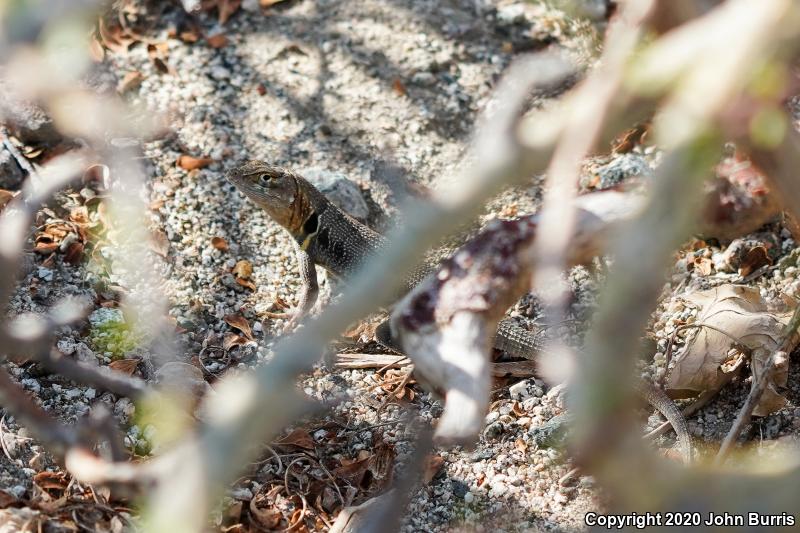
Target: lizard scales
column 325, row 235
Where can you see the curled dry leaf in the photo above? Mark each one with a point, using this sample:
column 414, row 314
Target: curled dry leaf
column 243, row 269
column 755, row 258
column 159, row 243
column 432, row 466
column 79, row 215
column 129, row 81
column 74, row 253
column 299, row 437
column 267, row 517
column 232, row 340
column 188, row 162
column 126, row 366
column 246, row 283
column 239, row 322
column 217, row 40
column 5, row 197
column 219, row 243
column 740, row 312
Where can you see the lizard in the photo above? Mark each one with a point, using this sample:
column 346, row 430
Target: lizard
column 324, row 235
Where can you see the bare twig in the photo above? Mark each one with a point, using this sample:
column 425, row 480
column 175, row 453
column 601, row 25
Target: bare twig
column 760, row 382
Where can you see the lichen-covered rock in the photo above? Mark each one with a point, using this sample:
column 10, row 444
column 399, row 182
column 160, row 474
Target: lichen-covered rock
column 341, row 191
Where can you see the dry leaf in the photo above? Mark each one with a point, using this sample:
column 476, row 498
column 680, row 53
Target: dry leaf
column 520, row 445
column 267, row 3
column 189, row 36
column 741, row 312
column 126, row 366
column 5, row 197
column 79, row 215
column 246, row 283
column 129, row 81
column 770, row 400
column 51, row 480
column 299, row 437
column 74, row 253
column 352, row 471
column 239, row 322
column 243, row 269
column 231, row 340
column 188, row 162
column 432, row 466
column 269, row 517
column 704, row 266
column 398, row 87
column 159, row 243
column 219, row 243
column 217, row 41
column 755, row 258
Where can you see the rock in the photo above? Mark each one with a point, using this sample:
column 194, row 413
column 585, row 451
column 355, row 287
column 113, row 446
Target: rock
column 511, row 14
column 519, row 391
column 620, row 168
column 11, row 175
column 26, row 121
column 341, row 191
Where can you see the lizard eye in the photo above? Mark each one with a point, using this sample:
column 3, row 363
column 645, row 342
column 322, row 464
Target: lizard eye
column 264, row 179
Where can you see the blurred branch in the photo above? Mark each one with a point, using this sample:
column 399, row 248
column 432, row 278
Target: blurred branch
column 760, row 382
column 705, row 76
column 225, row 442
column 447, row 322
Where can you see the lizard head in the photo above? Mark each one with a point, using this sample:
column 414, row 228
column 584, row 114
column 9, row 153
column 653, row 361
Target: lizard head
column 272, row 188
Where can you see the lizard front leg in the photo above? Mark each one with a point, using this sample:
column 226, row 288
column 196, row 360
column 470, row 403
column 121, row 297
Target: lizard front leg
column 308, row 291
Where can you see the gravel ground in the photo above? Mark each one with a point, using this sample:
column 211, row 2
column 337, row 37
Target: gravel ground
column 372, row 90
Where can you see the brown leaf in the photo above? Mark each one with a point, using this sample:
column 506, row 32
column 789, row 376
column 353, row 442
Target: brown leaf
column 755, row 258
column 398, row 87
column 51, row 480
column 5, row 197
column 299, row 437
column 520, row 445
column 231, row 340
column 74, row 253
column 267, row 517
column 7, row 499
column 247, row 284
column 352, row 471
column 189, row 36
column 239, row 322
column 741, row 312
column 161, row 65
column 159, row 243
column 45, row 248
column 220, row 244
column 126, row 366
column 217, row 40
column 267, row 3
column 243, row 269
column 432, row 466
column 79, row 215
column 188, row 162
column 129, row 81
